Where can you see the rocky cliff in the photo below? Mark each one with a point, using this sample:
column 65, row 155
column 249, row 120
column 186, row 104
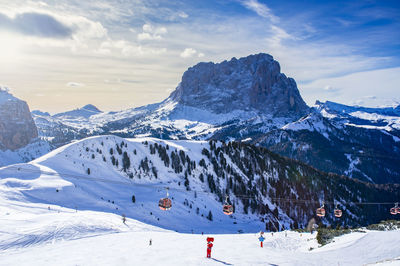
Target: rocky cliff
column 253, row 82
column 17, row 127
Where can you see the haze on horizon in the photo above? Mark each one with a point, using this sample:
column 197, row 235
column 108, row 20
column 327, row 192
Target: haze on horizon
column 119, row 54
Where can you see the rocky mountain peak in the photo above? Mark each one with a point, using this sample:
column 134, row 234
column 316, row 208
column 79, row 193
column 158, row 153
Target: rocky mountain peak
column 253, row 82
column 5, row 95
column 91, row 107
column 17, row 127
column 85, row 112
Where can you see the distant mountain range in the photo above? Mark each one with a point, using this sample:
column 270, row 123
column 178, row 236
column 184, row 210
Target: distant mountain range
column 223, row 131
column 248, row 99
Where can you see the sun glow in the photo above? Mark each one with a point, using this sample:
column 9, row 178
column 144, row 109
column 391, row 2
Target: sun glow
column 10, row 47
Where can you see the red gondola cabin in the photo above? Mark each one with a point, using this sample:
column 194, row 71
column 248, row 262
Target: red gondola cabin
column 321, row 212
column 227, row 209
column 338, row 213
column 165, row 204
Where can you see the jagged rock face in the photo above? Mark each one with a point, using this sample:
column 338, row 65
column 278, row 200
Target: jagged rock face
column 252, row 82
column 17, row 127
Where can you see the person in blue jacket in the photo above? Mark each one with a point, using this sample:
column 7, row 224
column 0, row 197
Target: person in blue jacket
column 261, row 238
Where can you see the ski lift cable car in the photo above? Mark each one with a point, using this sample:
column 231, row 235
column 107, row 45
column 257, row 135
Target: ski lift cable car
column 337, row 212
column 165, row 204
column 227, row 208
column 395, row 210
column 321, row 211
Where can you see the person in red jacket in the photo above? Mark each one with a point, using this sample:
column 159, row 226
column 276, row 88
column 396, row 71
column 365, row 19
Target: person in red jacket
column 210, row 241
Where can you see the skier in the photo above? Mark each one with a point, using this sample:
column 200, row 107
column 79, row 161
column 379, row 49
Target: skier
column 150, row 242
column 261, row 238
column 209, row 246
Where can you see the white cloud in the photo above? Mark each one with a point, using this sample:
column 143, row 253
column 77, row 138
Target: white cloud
column 330, row 88
column 151, row 33
column 147, row 36
column 277, row 35
column 75, row 84
column 261, row 9
column 183, row 14
column 188, row 52
column 106, row 34
column 354, row 88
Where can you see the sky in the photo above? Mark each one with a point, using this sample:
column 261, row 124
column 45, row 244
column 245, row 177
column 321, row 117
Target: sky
column 62, row 54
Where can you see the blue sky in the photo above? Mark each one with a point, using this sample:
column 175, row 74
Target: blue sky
column 118, row 54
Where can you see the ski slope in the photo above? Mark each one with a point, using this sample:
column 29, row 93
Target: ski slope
column 34, row 235
column 52, row 212
column 60, row 178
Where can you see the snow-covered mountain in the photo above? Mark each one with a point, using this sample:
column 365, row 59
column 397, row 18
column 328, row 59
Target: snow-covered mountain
column 33, row 150
column 267, row 191
column 359, row 142
column 84, row 112
column 18, row 133
column 249, row 94
column 248, row 99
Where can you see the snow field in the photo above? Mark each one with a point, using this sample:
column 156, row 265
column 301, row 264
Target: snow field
column 129, row 245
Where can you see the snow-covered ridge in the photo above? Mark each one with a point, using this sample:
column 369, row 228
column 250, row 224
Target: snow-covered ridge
column 32, row 151
column 386, row 118
column 85, row 112
column 311, row 122
column 6, row 96
column 341, row 108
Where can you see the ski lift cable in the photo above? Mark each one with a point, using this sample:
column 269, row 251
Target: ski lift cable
column 163, row 186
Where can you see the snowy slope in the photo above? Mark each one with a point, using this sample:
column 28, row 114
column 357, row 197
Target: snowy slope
column 129, row 245
column 32, row 151
column 109, row 189
column 103, row 173
column 54, row 210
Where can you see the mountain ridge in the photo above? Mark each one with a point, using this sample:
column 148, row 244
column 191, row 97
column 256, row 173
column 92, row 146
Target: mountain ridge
column 236, row 100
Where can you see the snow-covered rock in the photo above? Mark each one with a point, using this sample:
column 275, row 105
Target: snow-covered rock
column 252, row 83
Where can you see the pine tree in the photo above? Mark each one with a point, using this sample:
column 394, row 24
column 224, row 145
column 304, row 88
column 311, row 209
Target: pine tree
column 210, row 216
column 126, row 162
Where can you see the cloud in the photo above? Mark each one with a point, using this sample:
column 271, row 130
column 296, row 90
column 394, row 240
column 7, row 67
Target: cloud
column 277, row 35
column 151, row 33
column 329, row 88
column 361, row 86
column 36, row 24
column 75, row 84
column 183, row 14
column 371, row 97
column 190, row 52
column 261, row 9
column 126, row 48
